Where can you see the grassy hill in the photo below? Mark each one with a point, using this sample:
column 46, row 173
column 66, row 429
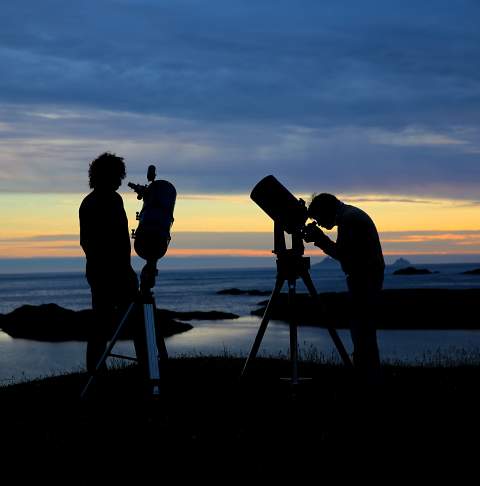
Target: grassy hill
column 208, row 421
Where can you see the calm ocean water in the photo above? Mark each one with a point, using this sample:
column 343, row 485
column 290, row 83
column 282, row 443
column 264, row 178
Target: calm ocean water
column 196, row 290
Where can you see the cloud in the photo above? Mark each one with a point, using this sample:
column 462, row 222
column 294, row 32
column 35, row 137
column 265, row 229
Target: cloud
column 388, row 199
column 40, row 238
column 412, row 137
column 321, row 63
column 197, row 242
column 51, row 154
column 327, row 95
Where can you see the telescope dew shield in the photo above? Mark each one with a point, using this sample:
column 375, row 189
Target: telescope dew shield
column 152, row 236
column 280, row 204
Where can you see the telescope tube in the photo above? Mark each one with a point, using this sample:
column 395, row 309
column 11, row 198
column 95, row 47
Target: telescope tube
column 152, row 236
column 280, row 204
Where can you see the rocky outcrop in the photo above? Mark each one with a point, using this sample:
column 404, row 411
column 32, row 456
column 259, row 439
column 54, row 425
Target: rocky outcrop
column 395, row 309
column 400, row 263
column 476, row 271
column 412, row 271
column 50, row 322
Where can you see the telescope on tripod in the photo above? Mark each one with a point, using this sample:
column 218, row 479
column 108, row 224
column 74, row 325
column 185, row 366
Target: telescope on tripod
column 151, row 240
column 289, row 215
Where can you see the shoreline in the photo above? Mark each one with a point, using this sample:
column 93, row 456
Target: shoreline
column 396, row 309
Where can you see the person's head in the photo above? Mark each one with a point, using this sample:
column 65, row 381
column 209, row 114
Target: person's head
column 106, row 172
column 323, row 209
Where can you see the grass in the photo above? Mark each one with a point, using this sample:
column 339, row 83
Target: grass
column 208, row 420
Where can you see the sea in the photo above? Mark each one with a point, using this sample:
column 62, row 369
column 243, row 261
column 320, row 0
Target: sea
column 197, row 290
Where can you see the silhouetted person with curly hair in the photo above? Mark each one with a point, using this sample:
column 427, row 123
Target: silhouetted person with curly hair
column 105, row 239
column 359, row 252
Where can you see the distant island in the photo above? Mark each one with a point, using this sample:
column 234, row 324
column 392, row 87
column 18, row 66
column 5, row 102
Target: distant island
column 476, row 271
column 50, row 322
column 400, row 263
column 331, row 263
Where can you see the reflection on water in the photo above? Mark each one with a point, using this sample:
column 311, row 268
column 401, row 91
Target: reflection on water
column 5, row 337
column 23, row 359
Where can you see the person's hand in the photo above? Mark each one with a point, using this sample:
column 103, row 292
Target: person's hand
column 312, row 233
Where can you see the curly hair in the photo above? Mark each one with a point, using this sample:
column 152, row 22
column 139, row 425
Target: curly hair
column 106, row 170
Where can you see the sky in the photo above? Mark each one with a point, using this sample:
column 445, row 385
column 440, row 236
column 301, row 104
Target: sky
column 375, row 101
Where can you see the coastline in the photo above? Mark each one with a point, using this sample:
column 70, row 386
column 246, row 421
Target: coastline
column 397, row 309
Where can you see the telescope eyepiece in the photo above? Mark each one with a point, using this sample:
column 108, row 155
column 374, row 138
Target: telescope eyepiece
column 140, row 189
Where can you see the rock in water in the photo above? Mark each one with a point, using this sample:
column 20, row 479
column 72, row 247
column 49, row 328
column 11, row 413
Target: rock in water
column 476, row 271
column 412, row 271
column 50, row 322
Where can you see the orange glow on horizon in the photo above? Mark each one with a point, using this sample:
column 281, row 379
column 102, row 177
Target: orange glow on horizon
column 46, row 225
column 74, row 251
column 458, row 238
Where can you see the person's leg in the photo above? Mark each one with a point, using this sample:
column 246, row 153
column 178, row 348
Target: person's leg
column 364, row 301
column 97, row 342
column 366, row 355
column 103, row 313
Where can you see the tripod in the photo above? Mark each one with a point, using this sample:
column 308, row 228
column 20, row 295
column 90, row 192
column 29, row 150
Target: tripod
column 156, row 350
column 291, row 265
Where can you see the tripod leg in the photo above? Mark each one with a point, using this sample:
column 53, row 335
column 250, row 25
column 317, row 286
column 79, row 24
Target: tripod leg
column 107, row 352
column 293, row 329
column 263, row 326
column 152, row 352
column 307, row 279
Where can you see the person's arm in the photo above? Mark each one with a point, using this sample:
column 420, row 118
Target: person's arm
column 87, row 231
column 84, row 233
column 328, row 246
column 313, row 233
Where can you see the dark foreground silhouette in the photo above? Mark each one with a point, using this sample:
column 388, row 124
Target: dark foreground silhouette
column 209, row 425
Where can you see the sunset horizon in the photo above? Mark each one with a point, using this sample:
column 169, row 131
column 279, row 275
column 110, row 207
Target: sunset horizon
column 378, row 106
column 232, row 225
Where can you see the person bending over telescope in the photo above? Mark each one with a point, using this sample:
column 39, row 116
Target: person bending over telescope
column 105, row 239
column 359, row 252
